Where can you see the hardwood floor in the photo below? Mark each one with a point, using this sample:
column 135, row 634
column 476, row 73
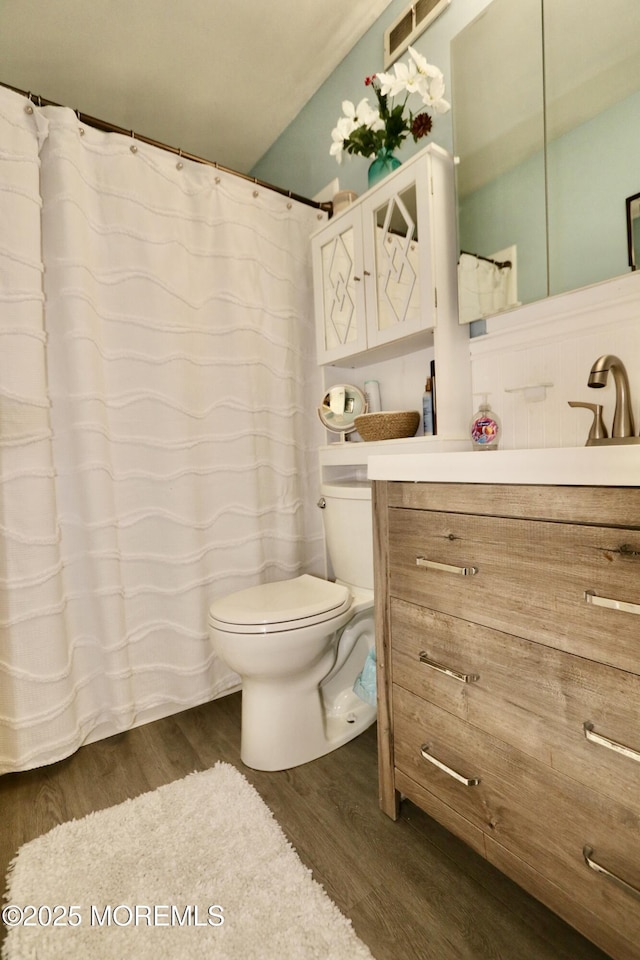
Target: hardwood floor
column 413, row 891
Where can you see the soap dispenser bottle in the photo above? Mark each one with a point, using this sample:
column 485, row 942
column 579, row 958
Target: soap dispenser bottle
column 485, row 427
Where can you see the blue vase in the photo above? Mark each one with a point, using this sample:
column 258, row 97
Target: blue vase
column 383, row 164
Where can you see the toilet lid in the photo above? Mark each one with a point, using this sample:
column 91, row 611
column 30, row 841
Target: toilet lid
column 281, row 605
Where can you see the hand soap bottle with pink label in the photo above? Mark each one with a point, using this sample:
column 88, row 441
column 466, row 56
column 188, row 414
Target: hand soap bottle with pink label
column 485, row 427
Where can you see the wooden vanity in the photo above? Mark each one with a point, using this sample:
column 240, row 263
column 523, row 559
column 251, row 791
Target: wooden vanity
column 508, row 632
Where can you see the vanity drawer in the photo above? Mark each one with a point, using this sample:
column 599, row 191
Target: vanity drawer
column 548, row 820
column 533, row 697
column 571, row 586
column 607, row 506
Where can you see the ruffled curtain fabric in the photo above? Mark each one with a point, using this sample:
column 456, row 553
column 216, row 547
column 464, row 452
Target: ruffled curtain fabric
column 483, row 287
column 157, row 391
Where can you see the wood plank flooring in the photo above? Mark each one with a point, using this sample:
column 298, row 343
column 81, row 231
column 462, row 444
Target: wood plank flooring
column 413, row 891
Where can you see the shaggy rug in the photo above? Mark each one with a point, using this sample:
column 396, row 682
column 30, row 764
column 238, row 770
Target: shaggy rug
column 195, row 869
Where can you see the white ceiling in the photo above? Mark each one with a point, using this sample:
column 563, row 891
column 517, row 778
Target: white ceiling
column 220, row 79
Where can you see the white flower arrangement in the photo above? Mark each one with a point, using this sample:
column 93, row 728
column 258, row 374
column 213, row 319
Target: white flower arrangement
column 367, row 130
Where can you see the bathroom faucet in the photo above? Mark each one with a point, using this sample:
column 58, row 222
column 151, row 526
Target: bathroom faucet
column 623, row 417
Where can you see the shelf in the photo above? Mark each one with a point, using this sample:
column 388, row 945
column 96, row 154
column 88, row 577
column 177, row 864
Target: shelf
column 357, row 453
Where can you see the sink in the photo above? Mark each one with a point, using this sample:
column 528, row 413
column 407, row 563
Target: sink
column 617, row 466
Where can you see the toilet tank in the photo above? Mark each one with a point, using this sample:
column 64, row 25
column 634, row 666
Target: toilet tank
column 348, row 529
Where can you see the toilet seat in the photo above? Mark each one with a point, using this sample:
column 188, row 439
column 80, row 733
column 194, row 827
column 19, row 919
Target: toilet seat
column 282, row 605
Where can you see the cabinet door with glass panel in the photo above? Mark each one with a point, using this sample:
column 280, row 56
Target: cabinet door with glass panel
column 397, row 238
column 339, row 288
column 373, row 265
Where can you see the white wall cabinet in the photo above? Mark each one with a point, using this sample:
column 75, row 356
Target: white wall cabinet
column 339, row 288
column 399, row 249
column 377, row 266
column 385, row 282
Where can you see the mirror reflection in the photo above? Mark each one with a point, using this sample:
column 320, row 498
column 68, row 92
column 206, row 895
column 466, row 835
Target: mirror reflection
column 548, row 158
column 337, row 274
column 397, row 260
column 340, row 406
column 592, row 80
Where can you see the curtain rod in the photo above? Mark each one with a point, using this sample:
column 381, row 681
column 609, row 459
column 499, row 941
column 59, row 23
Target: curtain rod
column 501, row 264
column 112, row 128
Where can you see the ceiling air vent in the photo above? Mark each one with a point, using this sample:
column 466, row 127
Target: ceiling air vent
column 409, row 26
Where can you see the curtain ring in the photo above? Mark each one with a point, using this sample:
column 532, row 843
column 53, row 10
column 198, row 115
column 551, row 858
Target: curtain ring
column 133, row 146
column 179, row 164
column 29, row 106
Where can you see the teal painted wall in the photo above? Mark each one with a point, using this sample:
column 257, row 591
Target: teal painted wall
column 299, row 160
column 587, row 229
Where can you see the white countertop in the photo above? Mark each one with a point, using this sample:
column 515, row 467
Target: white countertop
column 567, row 466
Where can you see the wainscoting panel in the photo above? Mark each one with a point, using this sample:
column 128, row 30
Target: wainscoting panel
column 534, row 360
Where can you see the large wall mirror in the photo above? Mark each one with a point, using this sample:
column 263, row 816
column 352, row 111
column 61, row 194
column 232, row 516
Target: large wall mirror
column 546, row 97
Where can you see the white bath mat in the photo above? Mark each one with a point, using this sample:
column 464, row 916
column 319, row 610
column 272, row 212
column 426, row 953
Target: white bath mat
column 196, row 869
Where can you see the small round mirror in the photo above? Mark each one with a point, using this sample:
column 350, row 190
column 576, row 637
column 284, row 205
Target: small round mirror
column 340, row 407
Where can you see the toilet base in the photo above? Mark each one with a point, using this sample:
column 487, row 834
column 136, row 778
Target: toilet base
column 286, row 723
column 342, row 729
column 298, row 699
column 299, row 730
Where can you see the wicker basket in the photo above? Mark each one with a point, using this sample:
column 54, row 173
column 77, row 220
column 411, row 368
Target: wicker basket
column 388, row 425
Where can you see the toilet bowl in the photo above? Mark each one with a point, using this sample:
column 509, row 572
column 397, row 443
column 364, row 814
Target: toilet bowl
column 299, row 645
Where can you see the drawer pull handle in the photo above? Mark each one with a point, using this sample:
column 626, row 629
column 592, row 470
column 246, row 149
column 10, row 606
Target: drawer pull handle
column 623, row 605
column 447, row 567
column 468, row 782
column 462, row 677
column 610, row 744
column 587, row 853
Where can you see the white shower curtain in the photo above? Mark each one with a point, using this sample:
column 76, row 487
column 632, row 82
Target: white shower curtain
column 483, row 287
column 157, row 433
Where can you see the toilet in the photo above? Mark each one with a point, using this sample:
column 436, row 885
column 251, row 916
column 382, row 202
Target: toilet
column 299, row 645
